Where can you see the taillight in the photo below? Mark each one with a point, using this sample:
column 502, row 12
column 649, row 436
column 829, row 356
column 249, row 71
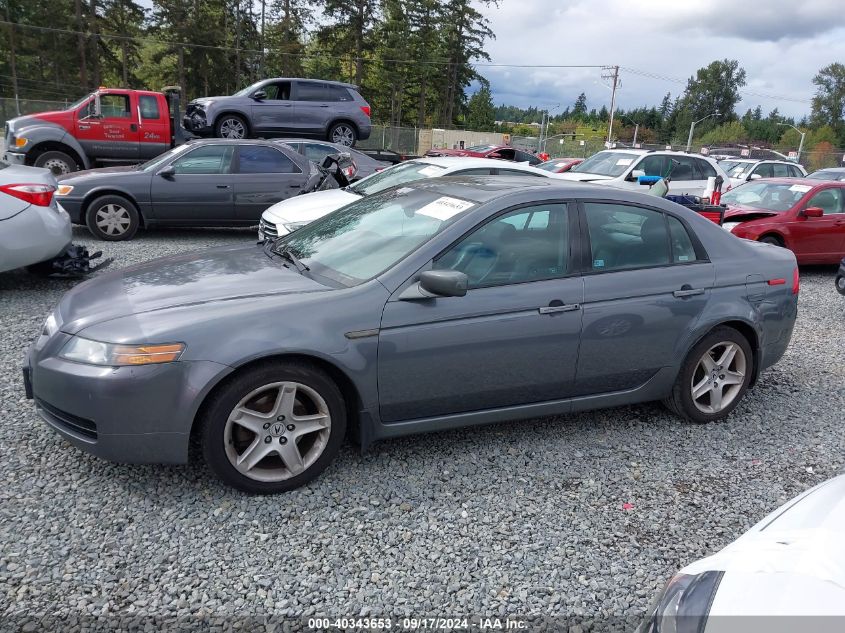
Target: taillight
column 39, row 195
column 796, row 281
column 366, row 110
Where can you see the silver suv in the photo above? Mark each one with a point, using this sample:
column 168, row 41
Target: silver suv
column 284, row 107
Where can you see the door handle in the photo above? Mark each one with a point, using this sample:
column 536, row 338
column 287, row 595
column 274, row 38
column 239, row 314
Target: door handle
column 324, row 106
column 295, row 186
column 686, row 291
column 133, row 127
column 84, row 127
column 572, row 307
column 222, row 186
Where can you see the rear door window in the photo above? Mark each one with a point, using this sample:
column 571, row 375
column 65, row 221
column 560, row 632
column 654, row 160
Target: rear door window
column 653, row 166
column 312, row 91
column 703, row 169
column 148, row 105
column 781, row 171
column 338, row 93
column 625, row 236
column 683, row 168
column 317, row 151
column 259, row 159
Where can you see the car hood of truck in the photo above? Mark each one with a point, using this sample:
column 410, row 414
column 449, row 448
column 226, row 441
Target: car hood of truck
column 58, row 118
column 186, row 286
column 309, row 207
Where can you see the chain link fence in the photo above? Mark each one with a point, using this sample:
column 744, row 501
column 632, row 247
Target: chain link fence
column 10, row 108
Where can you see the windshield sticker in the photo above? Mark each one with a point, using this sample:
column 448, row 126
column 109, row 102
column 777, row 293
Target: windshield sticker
column 431, row 171
column 444, row 208
column 624, row 162
column 801, row 188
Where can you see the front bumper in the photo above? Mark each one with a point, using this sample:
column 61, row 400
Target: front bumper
column 14, row 158
column 123, row 414
column 197, row 123
column 73, row 206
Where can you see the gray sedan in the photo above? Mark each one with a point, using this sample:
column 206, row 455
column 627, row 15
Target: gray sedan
column 318, row 150
column 443, row 303
column 202, row 183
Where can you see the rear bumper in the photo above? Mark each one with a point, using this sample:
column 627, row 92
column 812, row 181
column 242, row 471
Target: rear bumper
column 364, row 131
column 125, row 414
column 34, row 235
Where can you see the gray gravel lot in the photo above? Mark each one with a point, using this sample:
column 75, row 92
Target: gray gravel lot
column 520, row 518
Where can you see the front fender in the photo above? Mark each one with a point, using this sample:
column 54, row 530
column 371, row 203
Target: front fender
column 47, row 132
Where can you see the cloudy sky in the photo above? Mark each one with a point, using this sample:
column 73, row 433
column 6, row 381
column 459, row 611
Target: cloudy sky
column 780, row 43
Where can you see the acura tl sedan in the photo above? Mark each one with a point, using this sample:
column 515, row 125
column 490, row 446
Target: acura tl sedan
column 441, row 303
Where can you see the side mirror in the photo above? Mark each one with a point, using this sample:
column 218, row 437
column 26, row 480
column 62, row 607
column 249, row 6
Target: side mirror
column 754, row 177
column 167, row 172
column 259, row 95
column 636, row 174
column 437, row 283
column 813, row 212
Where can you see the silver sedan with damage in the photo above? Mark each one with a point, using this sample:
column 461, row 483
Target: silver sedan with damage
column 441, row 303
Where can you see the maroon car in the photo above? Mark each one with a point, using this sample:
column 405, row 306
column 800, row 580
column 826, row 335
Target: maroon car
column 502, row 152
column 560, row 165
column 803, row 215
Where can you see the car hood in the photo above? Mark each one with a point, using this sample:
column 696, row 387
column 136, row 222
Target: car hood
column 740, row 213
column 79, row 177
column 58, row 118
column 583, row 177
column 792, row 562
column 310, row 206
column 193, row 280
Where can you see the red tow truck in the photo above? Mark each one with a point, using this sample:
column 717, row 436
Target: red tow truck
column 107, row 127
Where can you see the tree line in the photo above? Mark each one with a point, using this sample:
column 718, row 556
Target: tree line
column 410, row 58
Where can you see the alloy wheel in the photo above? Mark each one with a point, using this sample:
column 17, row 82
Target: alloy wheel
column 718, row 378
column 112, row 219
column 343, row 135
column 232, row 128
column 277, row 431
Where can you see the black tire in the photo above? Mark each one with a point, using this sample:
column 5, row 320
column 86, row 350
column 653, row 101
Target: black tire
column 343, row 133
column 231, row 126
column 840, row 284
column 57, row 162
column 123, row 218
column 680, row 401
column 223, row 402
column 771, row 239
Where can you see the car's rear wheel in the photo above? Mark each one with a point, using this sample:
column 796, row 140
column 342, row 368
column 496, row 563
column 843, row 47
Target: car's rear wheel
column 343, row 133
column 713, row 378
column 274, row 428
column 840, row 284
column 231, row 126
column 112, row 218
column 57, row 162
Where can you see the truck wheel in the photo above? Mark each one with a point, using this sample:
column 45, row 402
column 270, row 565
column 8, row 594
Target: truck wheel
column 231, row 126
column 343, row 133
column 112, row 218
column 57, row 162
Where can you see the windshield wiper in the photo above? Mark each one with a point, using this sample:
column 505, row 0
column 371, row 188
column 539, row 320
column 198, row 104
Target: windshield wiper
column 288, row 254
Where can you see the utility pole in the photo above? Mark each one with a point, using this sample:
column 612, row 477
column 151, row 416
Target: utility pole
column 612, row 74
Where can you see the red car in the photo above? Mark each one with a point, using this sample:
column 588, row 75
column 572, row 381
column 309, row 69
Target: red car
column 502, row 152
column 806, row 216
column 560, row 165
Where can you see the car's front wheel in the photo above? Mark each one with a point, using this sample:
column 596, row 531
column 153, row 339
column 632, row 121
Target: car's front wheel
column 57, row 162
column 274, row 427
column 343, row 133
column 231, row 126
column 840, row 284
column 112, row 218
column 714, row 377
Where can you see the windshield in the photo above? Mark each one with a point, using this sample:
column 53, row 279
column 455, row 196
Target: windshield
column 397, row 175
column 248, row 90
column 739, row 170
column 606, row 164
column 365, row 238
column 764, row 195
column 727, row 165
column 78, row 102
column 152, row 164
column 553, row 165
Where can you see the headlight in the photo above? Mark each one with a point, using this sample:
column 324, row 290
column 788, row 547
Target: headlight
column 83, row 350
column 51, row 326
column 729, row 226
column 63, row 190
column 290, row 227
column 21, row 141
column 683, row 605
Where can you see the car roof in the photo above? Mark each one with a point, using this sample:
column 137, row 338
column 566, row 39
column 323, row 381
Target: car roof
column 312, row 81
column 469, row 162
column 836, row 170
column 761, row 160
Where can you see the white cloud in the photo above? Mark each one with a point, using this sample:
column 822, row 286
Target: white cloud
column 781, row 44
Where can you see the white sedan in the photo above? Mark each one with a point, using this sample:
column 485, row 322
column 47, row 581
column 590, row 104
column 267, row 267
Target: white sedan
column 787, row 568
column 288, row 215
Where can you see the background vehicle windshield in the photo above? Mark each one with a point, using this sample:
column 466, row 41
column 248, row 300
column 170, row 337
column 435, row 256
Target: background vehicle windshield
column 727, row 165
column 824, row 175
column 739, row 170
column 480, row 148
column 365, row 238
column 763, row 195
column 552, row 165
column 397, row 175
column 151, row 164
column 606, row 164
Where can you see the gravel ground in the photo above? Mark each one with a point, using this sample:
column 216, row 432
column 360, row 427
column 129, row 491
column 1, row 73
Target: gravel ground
column 514, row 519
